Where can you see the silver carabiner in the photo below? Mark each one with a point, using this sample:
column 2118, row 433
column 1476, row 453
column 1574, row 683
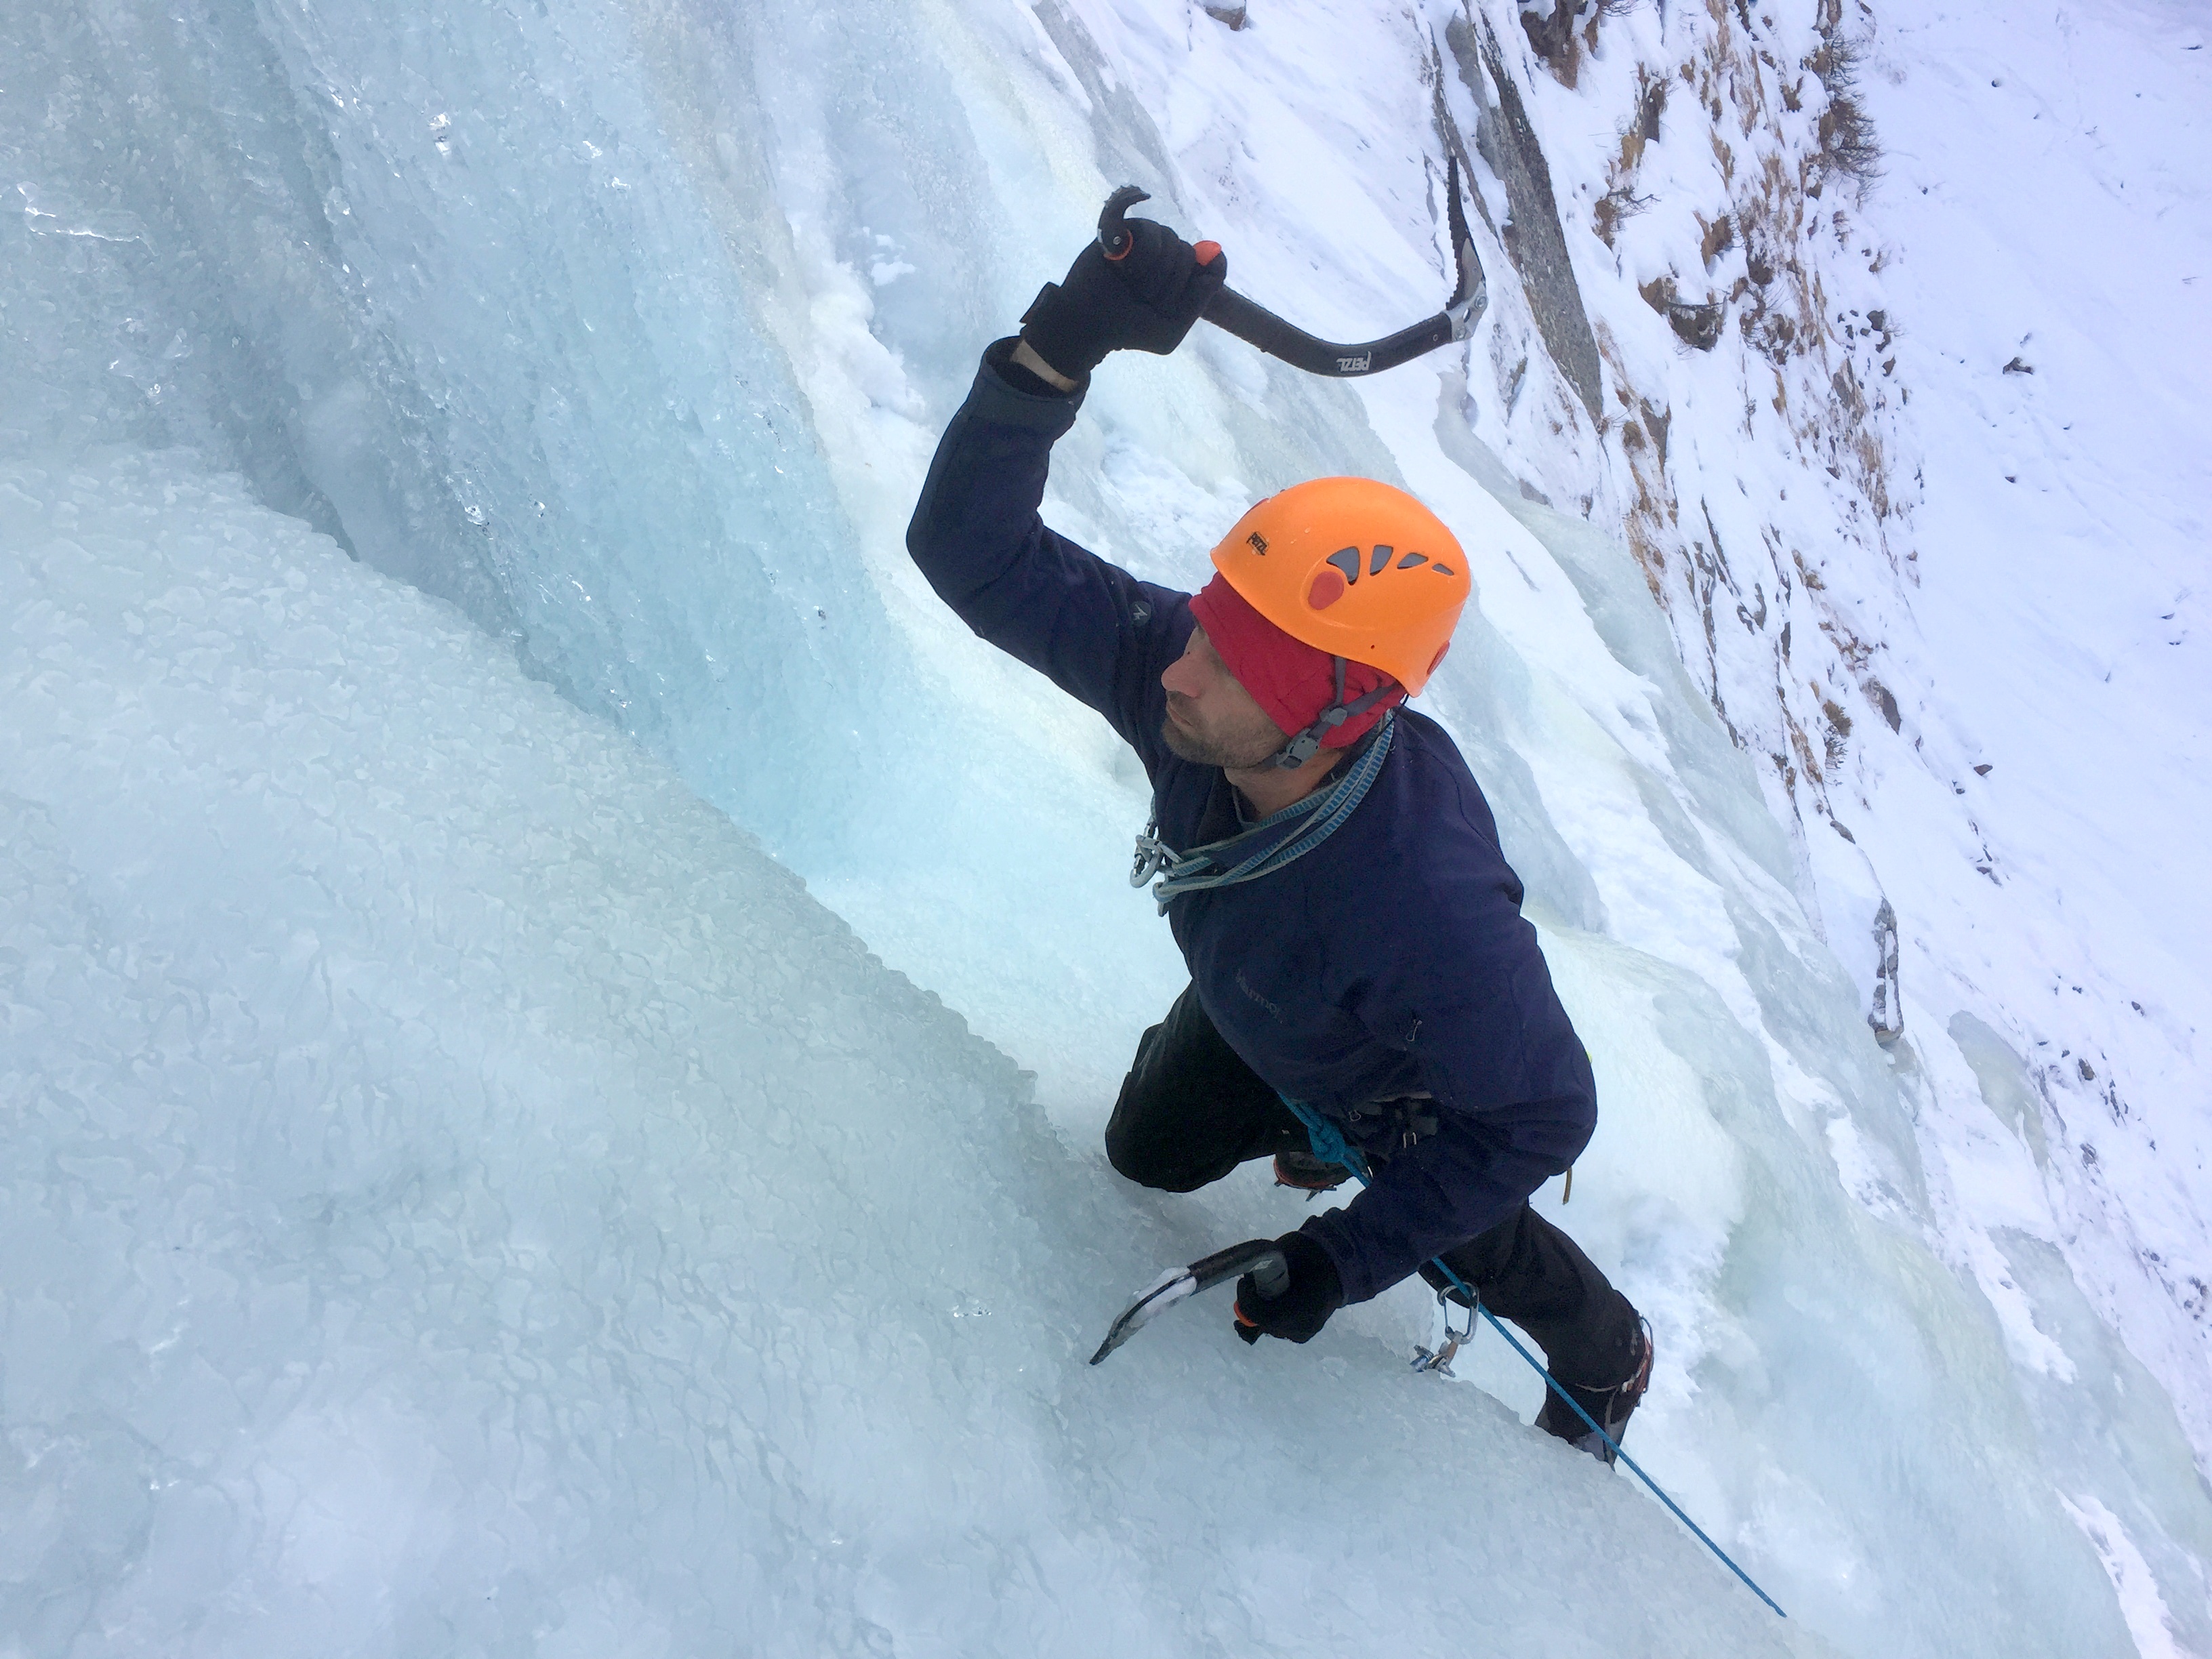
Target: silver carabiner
column 1150, row 857
column 1153, row 856
column 1441, row 1360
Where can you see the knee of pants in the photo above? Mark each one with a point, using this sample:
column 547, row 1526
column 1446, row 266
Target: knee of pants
column 1152, row 1164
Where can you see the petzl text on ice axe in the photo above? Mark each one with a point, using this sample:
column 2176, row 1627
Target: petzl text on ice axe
column 1270, row 1272
column 1252, row 322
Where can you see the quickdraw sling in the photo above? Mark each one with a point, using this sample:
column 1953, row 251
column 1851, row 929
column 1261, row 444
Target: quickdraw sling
column 1264, row 847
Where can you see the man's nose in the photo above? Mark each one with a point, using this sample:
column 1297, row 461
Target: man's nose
column 1182, row 677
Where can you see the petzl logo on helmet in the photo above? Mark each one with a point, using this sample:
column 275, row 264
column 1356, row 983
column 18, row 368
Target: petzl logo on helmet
column 1258, row 543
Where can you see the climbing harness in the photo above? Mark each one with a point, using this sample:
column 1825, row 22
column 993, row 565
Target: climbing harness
column 1331, row 1147
column 1266, row 847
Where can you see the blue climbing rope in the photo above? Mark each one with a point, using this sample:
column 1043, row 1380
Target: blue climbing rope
column 1330, row 1146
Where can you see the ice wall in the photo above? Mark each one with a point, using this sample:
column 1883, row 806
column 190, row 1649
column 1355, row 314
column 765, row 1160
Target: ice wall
column 461, row 1197
column 629, row 332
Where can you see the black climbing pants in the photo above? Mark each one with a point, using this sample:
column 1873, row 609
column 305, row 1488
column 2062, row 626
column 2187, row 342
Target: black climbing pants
column 1191, row 1110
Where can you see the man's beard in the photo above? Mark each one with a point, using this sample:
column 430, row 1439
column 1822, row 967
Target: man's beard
column 1233, row 751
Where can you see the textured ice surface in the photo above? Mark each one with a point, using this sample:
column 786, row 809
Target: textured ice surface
column 461, row 1195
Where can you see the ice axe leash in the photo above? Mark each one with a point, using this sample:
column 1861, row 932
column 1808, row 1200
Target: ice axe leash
column 1250, row 321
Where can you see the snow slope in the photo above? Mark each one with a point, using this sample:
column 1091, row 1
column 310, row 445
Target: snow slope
column 1982, row 507
column 627, row 331
column 2059, row 613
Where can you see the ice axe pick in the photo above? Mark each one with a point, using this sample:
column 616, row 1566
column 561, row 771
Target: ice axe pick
column 1270, row 1272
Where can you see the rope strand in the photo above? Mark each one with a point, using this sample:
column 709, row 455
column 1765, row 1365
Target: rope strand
column 1265, row 847
column 1330, row 1146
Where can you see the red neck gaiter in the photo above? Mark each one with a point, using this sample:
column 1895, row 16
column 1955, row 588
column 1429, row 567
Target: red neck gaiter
column 1292, row 681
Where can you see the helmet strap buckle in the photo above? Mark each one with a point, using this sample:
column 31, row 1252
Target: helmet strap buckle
column 1307, row 743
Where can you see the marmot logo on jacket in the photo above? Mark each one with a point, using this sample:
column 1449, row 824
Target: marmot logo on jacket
column 1245, row 986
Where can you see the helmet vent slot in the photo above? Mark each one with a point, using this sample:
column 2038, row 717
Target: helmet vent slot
column 1347, row 559
column 1412, row 561
column 1382, row 557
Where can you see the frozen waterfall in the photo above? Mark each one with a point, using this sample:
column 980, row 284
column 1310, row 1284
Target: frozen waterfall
column 466, row 1194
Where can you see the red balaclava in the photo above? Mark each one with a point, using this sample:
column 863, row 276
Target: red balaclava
column 1292, row 681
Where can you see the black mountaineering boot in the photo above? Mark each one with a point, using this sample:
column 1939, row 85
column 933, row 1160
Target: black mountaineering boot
column 1610, row 1406
column 1307, row 1173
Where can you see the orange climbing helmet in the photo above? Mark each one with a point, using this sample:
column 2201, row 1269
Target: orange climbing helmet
column 1354, row 568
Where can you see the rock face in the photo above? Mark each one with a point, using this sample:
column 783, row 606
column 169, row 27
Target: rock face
column 1532, row 236
column 1729, row 206
column 1886, row 1015
column 1695, row 323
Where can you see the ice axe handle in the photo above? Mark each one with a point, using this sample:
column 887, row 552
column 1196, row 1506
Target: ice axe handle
column 1260, row 1259
column 1256, row 326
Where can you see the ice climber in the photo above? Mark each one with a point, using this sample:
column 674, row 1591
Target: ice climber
column 1328, row 863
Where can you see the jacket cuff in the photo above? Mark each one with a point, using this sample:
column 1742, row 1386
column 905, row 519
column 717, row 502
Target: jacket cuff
column 1001, row 393
column 1329, row 1231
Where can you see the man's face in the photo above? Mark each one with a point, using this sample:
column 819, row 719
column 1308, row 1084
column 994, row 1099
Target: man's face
column 1212, row 719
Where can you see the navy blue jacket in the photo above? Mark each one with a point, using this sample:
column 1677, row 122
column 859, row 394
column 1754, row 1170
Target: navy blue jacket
column 1391, row 960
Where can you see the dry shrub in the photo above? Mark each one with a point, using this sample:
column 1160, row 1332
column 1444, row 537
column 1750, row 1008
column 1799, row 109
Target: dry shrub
column 1849, row 149
column 1617, row 203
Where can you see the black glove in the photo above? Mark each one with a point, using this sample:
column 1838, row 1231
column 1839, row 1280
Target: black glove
column 1145, row 301
column 1297, row 1316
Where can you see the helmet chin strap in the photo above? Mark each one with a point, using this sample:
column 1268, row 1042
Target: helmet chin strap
column 1304, row 746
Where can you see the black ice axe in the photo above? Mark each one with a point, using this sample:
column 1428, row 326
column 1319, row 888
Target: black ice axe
column 1251, row 321
column 1260, row 1259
